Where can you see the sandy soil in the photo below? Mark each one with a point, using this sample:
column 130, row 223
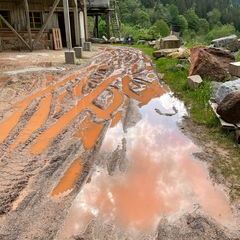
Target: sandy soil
column 54, row 124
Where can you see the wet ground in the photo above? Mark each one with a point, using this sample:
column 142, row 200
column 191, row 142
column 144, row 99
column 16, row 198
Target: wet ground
column 98, row 154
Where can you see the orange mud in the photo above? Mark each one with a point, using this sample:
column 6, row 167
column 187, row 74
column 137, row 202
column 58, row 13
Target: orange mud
column 69, row 179
column 153, row 90
column 89, row 132
column 116, row 103
column 8, row 124
column 36, row 121
column 43, row 141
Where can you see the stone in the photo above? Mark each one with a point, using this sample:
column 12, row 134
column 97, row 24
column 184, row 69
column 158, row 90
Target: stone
column 141, row 42
column 180, row 66
column 151, row 43
column 225, row 89
column 229, row 108
column 163, row 52
column 87, row 46
column 113, row 40
column 181, row 53
column 78, row 52
column 157, row 44
column 70, row 57
column 234, row 69
column 169, row 42
column 194, row 81
column 230, row 42
column 210, row 63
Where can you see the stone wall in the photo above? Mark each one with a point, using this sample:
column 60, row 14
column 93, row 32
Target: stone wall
column 9, row 41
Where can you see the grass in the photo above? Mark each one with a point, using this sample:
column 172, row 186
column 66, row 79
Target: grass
column 176, row 78
column 201, row 113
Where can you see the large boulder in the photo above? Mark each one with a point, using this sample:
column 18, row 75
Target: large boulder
column 229, row 108
column 226, row 88
column 210, row 63
column 230, row 42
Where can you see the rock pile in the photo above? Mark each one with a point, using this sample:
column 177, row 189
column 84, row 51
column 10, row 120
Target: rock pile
column 210, row 63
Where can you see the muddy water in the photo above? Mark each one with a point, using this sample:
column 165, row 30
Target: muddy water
column 162, row 178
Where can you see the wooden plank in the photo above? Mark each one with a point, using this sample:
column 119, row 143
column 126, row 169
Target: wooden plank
column 57, row 39
column 224, row 124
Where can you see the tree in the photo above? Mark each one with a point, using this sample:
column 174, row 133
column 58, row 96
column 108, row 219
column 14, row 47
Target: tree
column 192, row 19
column 203, row 26
column 182, row 22
column 141, row 18
column 173, row 12
column 162, row 28
column 214, row 17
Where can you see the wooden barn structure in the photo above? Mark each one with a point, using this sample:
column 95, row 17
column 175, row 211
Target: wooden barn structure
column 32, row 24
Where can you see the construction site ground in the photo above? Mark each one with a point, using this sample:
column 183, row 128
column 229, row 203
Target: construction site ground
column 103, row 150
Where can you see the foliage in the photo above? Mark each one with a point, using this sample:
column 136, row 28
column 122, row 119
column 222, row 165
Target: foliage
column 202, row 19
column 162, row 28
column 220, row 31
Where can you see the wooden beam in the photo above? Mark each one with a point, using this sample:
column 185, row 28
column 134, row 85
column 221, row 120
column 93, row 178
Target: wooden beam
column 15, row 32
column 28, row 23
column 82, row 31
column 108, row 23
column 39, row 35
column 67, row 24
column 76, row 24
column 85, row 20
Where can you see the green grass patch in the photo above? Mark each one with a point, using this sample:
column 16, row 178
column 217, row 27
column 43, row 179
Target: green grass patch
column 176, row 77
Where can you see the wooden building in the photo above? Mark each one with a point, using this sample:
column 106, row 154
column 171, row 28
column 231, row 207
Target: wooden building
column 29, row 24
column 109, row 10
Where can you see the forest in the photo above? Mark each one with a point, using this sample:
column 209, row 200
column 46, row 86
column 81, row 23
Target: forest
column 198, row 20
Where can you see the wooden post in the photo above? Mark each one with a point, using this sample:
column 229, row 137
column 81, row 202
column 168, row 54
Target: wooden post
column 108, row 23
column 67, row 24
column 97, row 26
column 39, row 35
column 15, row 32
column 85, row 20
column 28, row 24
column 76, row 24
column 82, row 31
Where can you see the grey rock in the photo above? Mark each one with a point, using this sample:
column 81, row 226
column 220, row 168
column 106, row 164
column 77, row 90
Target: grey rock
column 194, row 81
column 227, row 88
column 230, row 42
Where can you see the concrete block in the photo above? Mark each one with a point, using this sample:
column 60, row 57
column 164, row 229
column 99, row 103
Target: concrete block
column 234, row 69
column 78, row 52
column 70, row 57
column 87, row 46
column 194, row 81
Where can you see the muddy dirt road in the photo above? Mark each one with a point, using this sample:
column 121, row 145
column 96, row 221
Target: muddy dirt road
column 98, row 154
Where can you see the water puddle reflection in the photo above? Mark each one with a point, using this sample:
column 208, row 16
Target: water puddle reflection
column 162, row 179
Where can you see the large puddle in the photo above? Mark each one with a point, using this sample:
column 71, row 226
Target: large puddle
column 145, row 169
column 162, row 178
